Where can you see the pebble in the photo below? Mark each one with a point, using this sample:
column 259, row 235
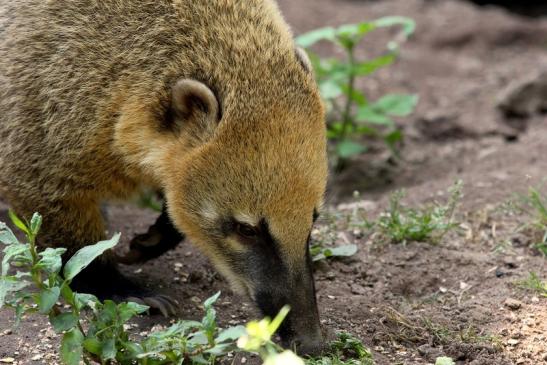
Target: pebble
column 358, row 289
column 512, row 303
column 7, row 360
column 512, row 342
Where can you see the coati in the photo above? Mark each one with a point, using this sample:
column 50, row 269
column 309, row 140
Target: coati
column 207, row 101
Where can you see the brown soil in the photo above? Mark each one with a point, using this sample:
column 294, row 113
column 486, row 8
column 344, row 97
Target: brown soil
column 408, row 303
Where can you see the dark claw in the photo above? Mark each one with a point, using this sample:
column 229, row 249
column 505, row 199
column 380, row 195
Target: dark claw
column 157, row 304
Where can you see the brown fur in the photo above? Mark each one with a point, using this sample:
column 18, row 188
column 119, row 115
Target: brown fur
column 86, row 86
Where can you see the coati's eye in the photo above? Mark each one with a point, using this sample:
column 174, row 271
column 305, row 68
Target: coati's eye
column 245, row 230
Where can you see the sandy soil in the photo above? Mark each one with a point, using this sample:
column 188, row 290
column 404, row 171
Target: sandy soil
column 415, row 302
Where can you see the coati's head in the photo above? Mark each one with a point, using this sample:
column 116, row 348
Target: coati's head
column 247, row 187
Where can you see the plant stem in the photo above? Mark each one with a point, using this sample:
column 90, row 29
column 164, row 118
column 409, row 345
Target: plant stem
column 346, row 116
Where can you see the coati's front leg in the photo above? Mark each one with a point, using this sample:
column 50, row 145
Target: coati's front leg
column 75, row 224
column 161, row 237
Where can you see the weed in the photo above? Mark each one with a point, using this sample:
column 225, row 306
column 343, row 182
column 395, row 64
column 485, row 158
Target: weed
column 429, row 224
column 418, row 329
column 534, row 283
column 345, row 350
column 150, row 199
column 319, row 252
column 94, row 330
column 538, row 204
column 351, row 114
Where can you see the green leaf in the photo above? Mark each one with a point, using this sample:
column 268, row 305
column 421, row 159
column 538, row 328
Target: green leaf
column 355, row 30
column 345, row 250
column 13, row 252
column 48, row 298
column 6, row 235
column 444, row 361
column 108, row 350
column 85, row 300
column 369, row 67
column 128, row 310
column 71, row 347
column 368, row 114
column 51, row 260
column 18, row 222
column 393, row 137
column 108, row 312
column 63, row 321
column 198, row 338
column 10, row 284
column 308, row 39
column 409, row 25
column 232, row 333
column 35, row 223
column 132, row 349
column 398, row 105
column 86, row 255
column 67, row 293
column 220, row 349
column 210, row 301
column 349, row 148
column 92, row 345
column 330, row 89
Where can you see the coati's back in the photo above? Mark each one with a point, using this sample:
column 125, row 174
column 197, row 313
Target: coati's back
column 66, row 67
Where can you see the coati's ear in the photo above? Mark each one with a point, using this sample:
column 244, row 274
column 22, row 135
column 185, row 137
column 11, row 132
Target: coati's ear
column 194, row 108
column 304, row 60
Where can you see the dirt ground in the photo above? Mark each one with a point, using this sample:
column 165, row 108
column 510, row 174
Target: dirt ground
column 415, row 302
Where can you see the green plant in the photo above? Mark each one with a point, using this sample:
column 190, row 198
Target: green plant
column 150, row 199
column 319, row 252
column 534, row 283
column 350, row 113
column 537, row 203
column 94, row 330
column 402, row 224
column 258, row 338
column 345, row 350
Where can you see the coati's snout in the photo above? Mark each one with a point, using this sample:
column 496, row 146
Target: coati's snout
column 274, row 279
column 246, row 192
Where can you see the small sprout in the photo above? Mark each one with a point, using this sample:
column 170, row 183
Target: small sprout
column 429, row 224
column 351, row 116
column 534, row 283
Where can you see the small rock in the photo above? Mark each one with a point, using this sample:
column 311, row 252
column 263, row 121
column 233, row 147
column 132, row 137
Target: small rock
column 525, row 97
column 512, row 342
column 358, row 289
column 512, row 303
column 330, row 275
column 36, row 357
column 7, row 360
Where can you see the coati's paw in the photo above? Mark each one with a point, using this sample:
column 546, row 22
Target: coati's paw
column 147, row 246
column 106, row 282
column 161, row 237
column 162, row 303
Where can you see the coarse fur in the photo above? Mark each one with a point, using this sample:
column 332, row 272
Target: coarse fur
column 87, row 115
